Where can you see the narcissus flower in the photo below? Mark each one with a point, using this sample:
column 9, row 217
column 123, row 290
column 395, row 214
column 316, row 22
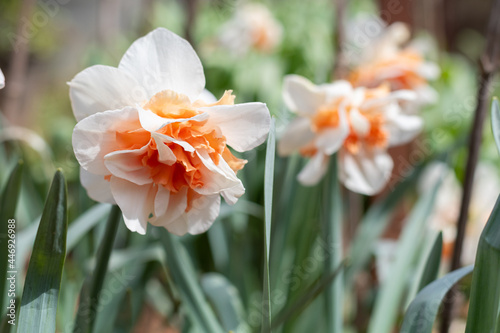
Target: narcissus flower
column 2, row 80
column 386, row 59
column 252, row 27
column 359, row 123
column 151, row 140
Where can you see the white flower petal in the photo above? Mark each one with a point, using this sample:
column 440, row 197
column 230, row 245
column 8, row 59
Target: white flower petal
column 179, row 226
column 98, row 188
column 337, row 89
column 165, row 154
column 330, row 140
column 429, row 70
column 402, row 128
column 301, row 95
column 297, row 134
column 2, row 80
column 203, row 213
column 365, row 173
column 101, row 88
column 162, row 200
column 161, row 60
column 177, row 204
column 95, row 136
column 314, row 170
column 207, row 97
column 219, row 179
column 359, row 123
column 127, row 164
column 245, row 126
column 135, row 202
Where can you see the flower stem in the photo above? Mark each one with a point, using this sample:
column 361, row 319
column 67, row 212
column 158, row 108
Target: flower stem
column 339, row 66
column 488, row 66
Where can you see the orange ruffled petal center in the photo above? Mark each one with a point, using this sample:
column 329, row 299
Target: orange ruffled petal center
column 327, row 116
column 187, row 168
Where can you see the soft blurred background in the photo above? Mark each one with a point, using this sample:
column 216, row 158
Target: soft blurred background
column 44, row 43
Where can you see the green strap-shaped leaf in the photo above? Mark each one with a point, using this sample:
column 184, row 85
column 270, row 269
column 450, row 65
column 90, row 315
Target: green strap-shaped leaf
column 332, row 233
column 180, row 266
column 431, row 268
column 89, row 296
column 421, row 313
column 392, row 290
column 307, row 297
column 8, row 206
column 226, row 301
column 495, row 122
column 268, row 208
column 43, row 280
column 485, row 291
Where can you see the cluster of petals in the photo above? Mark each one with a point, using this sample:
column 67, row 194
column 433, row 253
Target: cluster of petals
column 251, row 27
column 151, row 139
column 360, row 123
column 392, row 59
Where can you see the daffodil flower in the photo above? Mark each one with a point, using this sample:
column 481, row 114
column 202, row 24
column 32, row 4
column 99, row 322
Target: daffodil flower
column 386, row 60
column 359, row 123
column 149, row 139
column 251, row 27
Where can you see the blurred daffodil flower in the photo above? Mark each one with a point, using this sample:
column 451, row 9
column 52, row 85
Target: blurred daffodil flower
column 251, row 27
column 388, row 59
column 151, row 139
column 359, row 123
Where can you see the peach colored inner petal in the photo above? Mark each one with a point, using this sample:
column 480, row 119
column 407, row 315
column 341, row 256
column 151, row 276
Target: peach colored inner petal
column 405, row 62
column 186, row 171
column 327, row 117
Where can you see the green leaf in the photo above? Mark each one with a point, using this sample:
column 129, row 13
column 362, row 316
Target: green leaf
column 225, row 300
column 495, row 122
column 82, row 225
column 485, row 289
column 392, row 290
column 431, row 269
column 8, row 206
column 268, row 207
column 43, row 280
column 428, row 267
column 308, row 296
column 332, row 233
column 180, row 266
column 421, row 313
column 89, row 296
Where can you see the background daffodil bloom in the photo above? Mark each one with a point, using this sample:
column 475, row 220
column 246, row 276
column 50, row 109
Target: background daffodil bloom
column 252, row 26
column 150, row 140
column 389, row 58
column 359, row 123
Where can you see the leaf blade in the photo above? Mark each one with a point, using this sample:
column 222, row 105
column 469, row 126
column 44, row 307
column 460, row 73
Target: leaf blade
column 43, row 280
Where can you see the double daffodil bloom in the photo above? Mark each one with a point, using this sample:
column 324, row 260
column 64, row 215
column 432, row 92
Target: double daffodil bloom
column 359, row 123
column 151, row 139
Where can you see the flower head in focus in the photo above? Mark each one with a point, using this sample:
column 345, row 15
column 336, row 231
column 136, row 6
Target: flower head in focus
column 251, row 27
column 2, row 80
column 447, row 206
column 386, row 59
column 359, row 123
column 151, row 139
